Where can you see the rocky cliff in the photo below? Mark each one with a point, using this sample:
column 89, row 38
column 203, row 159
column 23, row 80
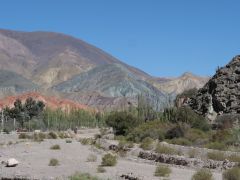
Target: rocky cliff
column 221, row 94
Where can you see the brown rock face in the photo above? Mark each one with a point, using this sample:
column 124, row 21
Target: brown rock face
column 221, row 94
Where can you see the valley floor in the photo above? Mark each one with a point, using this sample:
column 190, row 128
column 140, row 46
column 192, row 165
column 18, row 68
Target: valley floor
column 34, row 158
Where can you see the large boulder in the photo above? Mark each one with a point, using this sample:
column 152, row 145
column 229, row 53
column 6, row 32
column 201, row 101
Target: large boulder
column 11, row 162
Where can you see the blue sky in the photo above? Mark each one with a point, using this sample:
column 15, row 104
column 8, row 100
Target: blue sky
column 161, row 37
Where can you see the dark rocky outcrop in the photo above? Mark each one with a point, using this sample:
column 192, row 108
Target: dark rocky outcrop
column 221, row 94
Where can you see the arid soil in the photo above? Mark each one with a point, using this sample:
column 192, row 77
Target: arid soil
column 34, row 158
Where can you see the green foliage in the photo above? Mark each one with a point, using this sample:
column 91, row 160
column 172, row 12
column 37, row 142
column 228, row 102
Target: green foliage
column 122, row 122
column 55, row 147
column 153, row 129
column 177, row 131
column 83, row 176
column 217, row 156
column 147, row 143
column 203, row 174
column 162, row 171
column 53, row 162
column 60, row 120
column 186, row 115
column 109, row 160
column 68, row 141
column 180, row 141
column 24, row 112
column 232, row 174
column 216, row 145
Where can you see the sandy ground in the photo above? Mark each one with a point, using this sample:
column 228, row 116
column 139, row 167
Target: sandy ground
column 34, row 158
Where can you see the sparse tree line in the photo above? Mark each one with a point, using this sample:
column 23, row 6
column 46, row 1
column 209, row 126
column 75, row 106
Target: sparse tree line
column 32, row 114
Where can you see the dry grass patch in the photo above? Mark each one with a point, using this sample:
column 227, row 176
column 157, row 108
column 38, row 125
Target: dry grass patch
column 162, row 171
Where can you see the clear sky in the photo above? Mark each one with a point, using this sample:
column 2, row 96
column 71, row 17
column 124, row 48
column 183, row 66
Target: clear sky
column 161, row 37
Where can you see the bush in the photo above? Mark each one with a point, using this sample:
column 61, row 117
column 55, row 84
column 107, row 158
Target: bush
column 163, row 171
column 195, row 135
column 92, row 158
column 217, row 156
column 153, row 129
column 162, row 149
column 109, row 160
column 86, row 141
column 38, row 137
column 24, row 136
column 123, row 144
column 181, row 141
column 83, row 176
column 55, row 147
column 216, row 145
column 101, row 169
column 177, row 131
column 68, row 141
column 122, row 122
column 192, row 153
column 232, row 174
column 53, row 162
column 63, row 135
column 147, row 143
column 203, row 174
column 52, row 135
column 234, row 158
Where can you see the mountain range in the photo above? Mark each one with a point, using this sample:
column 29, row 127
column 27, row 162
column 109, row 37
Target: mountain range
column 67, row 67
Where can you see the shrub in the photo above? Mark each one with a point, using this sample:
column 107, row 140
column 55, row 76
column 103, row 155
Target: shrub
column 192, row 153
column 232, row 174
column 122, row 122
column 68, row 141
column 63, row 135
column 24, row 136
column 147, row 143
column 38, row 137
column 83, row 176
column 203, row 174
column 177, row 131
column 52, row 135
column 194, row 135
column 180, row 141
column 153, row 129
column 234, row 158
column 217, row 156
column 55, row 147
column 53, row 162
column 109, row 160
column 86, row 141
column 123, row 144
column 163, row 171
column 6, row 131
column 101, row 169
column 162, row 149
column 216, row 145
column 92, row 158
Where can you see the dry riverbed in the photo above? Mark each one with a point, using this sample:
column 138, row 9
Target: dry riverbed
column 34, row 159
